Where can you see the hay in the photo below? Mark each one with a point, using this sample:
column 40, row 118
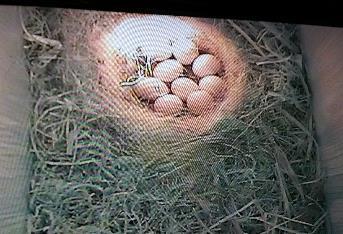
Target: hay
column 255, row 173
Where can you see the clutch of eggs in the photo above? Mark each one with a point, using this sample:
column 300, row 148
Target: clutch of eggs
column 172, row 89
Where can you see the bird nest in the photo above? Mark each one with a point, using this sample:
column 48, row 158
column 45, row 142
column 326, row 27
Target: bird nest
column 111, row 47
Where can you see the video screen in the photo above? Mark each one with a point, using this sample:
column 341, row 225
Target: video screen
column 146, row 123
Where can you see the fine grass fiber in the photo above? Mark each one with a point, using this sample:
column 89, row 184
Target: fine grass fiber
column 257, row 172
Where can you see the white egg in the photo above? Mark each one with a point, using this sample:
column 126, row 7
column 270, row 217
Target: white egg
column 150, row 88
column 199, row 102
column 168, row 104
column 212, row 84
column 185, row 51
column 183, row 86
column 206, row 64
column 168, row 70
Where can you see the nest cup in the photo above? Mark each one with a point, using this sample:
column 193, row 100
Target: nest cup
column 114, row 67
